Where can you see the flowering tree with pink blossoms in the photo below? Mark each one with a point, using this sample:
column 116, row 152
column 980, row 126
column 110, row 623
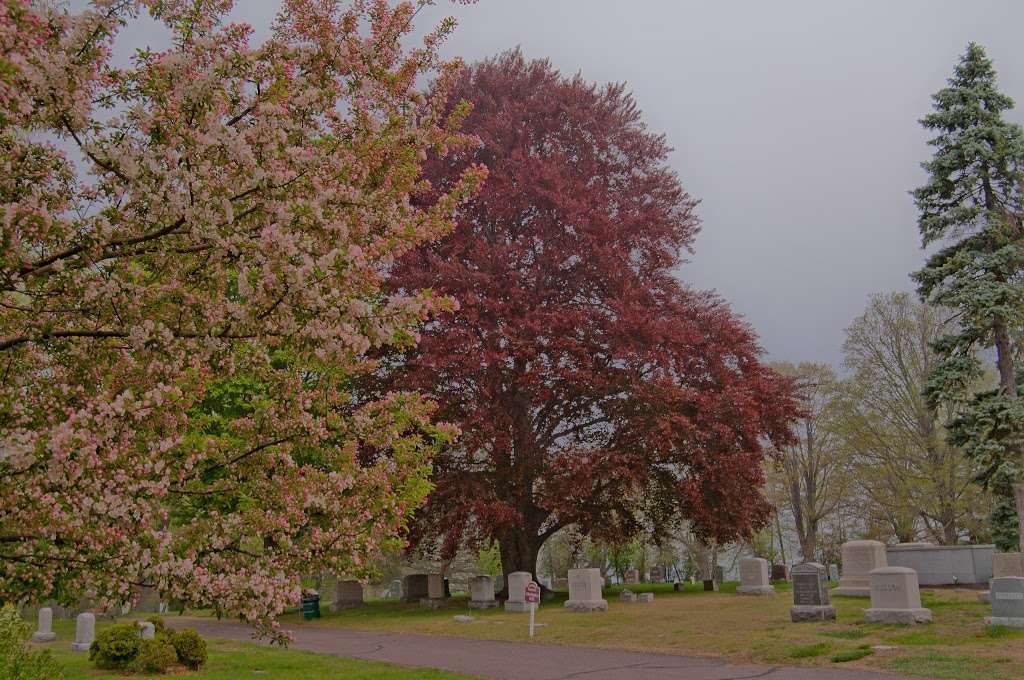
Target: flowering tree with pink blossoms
column 191, row 269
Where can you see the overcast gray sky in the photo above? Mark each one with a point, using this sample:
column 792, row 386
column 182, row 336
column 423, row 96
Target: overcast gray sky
column 794, row 122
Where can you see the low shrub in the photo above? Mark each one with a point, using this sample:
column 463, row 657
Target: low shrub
column 158, row 623
column 17, row 659
column 155, row 656
column 190, row 648
column 116, row 647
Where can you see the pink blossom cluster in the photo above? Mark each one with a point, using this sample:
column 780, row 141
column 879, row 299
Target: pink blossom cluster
column 187, row 299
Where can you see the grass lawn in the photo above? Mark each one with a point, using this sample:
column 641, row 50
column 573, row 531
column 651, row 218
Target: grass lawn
column 232, row 660
column 957, row 646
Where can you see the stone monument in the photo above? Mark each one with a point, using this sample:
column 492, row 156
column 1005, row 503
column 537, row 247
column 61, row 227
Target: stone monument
column 1007, row 602
column 646, row 598
column 147, row 631
column 859, row 559
column 85, row 632
column 435, row 592
column 627, row 595
column 44, row 630
column 585, row 591
column 632, row 576
column 414, row 588
column 481, row 593
column 516, row 601
column 810, row 594
column 657, row 574
column 754, row 577
column 895, row 597
column 347, row 594
column 780, row 572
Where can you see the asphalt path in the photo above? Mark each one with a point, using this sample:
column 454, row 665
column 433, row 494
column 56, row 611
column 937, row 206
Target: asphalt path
column 521, row 660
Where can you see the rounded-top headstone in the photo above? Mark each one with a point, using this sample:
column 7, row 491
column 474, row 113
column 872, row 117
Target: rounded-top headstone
column 859, row 559
column 517, row 581
column 85, row 632
column 44, row 631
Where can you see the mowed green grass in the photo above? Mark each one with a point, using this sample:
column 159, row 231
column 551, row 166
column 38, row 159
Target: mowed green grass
column 236, row 660
column 957, row 646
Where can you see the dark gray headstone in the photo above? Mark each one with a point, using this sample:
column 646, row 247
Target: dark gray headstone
column 414, row 587
column 1007, row 594
column 810, row 586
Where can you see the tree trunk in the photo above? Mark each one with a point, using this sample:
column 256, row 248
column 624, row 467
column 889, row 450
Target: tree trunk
column 1018, row 494
column 519, row 550
column 1004, row 356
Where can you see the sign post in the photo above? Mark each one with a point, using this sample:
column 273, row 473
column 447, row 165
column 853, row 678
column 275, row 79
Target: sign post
column 533, row 597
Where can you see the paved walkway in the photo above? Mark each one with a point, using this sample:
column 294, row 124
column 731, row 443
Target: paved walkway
column 521, row 660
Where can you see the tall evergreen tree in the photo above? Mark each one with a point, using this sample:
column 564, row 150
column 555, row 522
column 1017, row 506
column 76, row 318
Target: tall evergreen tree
column 971, row 207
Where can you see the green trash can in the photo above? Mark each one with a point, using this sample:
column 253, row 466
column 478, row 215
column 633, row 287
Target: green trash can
column 310, row 605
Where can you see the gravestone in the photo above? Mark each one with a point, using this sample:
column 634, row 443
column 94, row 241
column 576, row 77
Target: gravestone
column 147, row 631
column 393, row 591
column 810, row 594
column 481, row 593
column 657, row 574
column 895, row 597
column 85, row 632
column 719, row 574
column 780, row 572
column 44, row 629
column 859, row 559
column 833, row 572
column 1007, row 602
column 585, row 591
column 645, row 598
column 447, row 587
column 1007, row 564
column 632, row 576
column 561, row 583
column 435, row 592
column 414, row 588
column 148, row 602
column 516, row 601
column 754, row 577
column 347, row 594
column 627, row 596
column 710, row 585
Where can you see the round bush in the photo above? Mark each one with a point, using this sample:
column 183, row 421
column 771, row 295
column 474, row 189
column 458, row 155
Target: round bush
column 158, row 623
column 155, row 656
column 190, row 647
column 115, row 647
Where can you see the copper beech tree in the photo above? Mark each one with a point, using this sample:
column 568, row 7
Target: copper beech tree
column 591, row 386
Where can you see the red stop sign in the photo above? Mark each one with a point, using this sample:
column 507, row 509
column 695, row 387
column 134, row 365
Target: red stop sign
column 532, row 592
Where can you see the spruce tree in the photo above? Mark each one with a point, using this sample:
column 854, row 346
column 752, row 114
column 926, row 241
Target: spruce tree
column 971, row 209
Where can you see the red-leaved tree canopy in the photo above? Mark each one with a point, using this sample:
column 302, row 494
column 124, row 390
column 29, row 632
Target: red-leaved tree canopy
column 592, row 388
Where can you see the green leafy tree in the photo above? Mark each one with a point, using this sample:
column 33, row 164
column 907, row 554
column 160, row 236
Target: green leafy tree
column 971, row 207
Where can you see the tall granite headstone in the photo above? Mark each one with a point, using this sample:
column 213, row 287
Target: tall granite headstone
column 481, row 592
column 754, row 577
column 516, row 601
column 347, row 594
column 1007, row 593
column 85, row 632
column 859, row 559
column 585, row 591
column 44, row 629
column 414, row 588
column 810, row 594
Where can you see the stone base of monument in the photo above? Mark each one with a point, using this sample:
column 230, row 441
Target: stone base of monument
column 80, row 646
column 985, row 596
column 587, row 605
column 906, row 617
column 801, row 613
column 756, row 590
column 522, row 606
column 43, row 637
column 627, row 596
column 1009, row 622
column 482, row 604
column 645, row 597
column 433, row 602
